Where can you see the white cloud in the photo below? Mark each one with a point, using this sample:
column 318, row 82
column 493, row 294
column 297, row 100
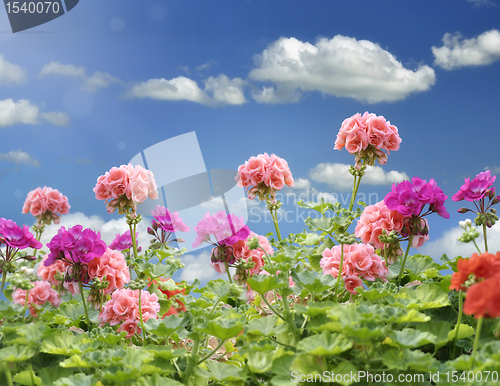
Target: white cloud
column 459, row 52
column 99, row 80
column 206, row 66
column 91, row 83
column 493, row 169
column 218, row 91
column 301, row 183
column 338, row 176
column 277, row 95
column 341, row 66
column 13, row 113
column 56, row 68
column 23, row 112
column 180, row 88
column 198, row 267
column 19, row 157
column 56, row 118
column 448, row 244
column 480, row 3
column 225, row 90
column 11, row 73
column 108, row 229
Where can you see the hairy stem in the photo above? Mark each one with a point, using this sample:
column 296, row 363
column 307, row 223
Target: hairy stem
column 142, row 320
column 211, row 353
column 25, row 305
column 85, row 306
column 485, row 239
column 474, row 241
column 460, row 312
column 274, row 215
column 404, row 260
column 228, row 273
column 340, row 272
column 192, row 360
column 478, row 333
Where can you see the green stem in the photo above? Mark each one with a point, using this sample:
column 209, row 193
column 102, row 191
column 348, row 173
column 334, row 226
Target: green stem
column 102, row 299
column 213, row 308
column 355, row 191
column 85, row 306
column 272, row 309
column 192, row 360
column 282, row 344
column 485, row 240
column 8, row 374
column 474, row 241
column 4, row 278
column 340, row 272
column 478, row 333
column 25, row 305
column 134, row 243
column 289, row 316
column 211, row 353
column 142, row 321
column 276, row 225
column 38, row 236
column 269, row 261
column 227, row 271
column 404, row 260
column 460, row 297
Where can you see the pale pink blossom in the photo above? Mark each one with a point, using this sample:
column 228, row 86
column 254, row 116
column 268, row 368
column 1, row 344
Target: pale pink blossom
column 130, row 327
column 38, row 295
column 111, row 264
column 46, row 204
column 48, row 273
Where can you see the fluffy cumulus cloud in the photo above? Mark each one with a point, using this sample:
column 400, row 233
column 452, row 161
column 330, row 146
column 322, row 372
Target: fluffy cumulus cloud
column 338, row 176
column 19, row 157
column 459, row 52
column 91, row 83
column 304, row 191
column 11, row 73
column 198, row 267
column 341, row 66
column 448, row 243
column 218, row 90
column 24, row 112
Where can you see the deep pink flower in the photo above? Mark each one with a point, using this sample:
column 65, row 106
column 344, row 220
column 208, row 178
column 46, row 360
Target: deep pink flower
column 169, row 221
column 476, row 189
column 227, row 229
column 16, row 237
column 123, row 241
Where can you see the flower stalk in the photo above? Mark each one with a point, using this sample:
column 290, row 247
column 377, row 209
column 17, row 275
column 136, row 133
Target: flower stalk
column 404, row 259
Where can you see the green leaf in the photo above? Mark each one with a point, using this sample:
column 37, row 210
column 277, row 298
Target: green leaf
column 320, row 206
column 396, row 359
column 76, row 380
column 8, row 310
column 326, row 343
column 157, row 380
column 218, row 287
column 344, row 368
column 50, row 375
column 16, row 353
column 378, row 290
column 64, row 342
column 166, row 326
column 313, row 282
column 223, row 329
column 427, row 295
column 309, row 239
column 440, row 330
column 265, row 283
column 314, row 261
column 164, row 352
column 223, row 372
column 464, row 331
column 420, row 263
column 323, row 224
column 410, row 338
column 309, row 364
column 73, row 310
column 28, row 378
column 260, row 361
column 162, row 270
column 265, row 326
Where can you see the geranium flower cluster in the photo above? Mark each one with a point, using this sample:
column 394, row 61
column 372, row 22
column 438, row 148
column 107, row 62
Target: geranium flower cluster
column 122, row 241
column 39, row 295
column 410, row 198
column 112, row 265
column 46, row 204
column 75, row 246
column 374, row 220
column 49, row 272
column 360, row 262
column 476, row 191
column 241, row 251
column 368, row 136
column 165, row 223
column 124, row 187
column 263, row 176
column 483, row 290
column 123, row 307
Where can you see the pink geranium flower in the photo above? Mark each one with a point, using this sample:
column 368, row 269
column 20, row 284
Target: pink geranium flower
column 476, row 189
column 367, row 136
column 125, row 187
column 263, row 176
column 39, row 295
column 111, row 264
column 46, row 204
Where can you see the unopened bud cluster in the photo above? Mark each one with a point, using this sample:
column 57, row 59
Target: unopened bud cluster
column 23, row 281
column 137, row 284
column 345, row 238
column 357, row 172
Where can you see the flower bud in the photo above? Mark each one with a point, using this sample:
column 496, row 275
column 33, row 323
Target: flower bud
column 462, row 224
column 491, row 193
column 496, row 200
column 463, row 210
column 253, row 243
column 151, row 231
column 468, row 222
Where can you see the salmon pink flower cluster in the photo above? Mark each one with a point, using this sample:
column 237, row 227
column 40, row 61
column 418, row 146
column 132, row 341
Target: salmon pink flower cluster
column 483, row 295
column 124, row 307
column 124, row 187
column 111, row 264
column 368, row 136
column 75, row 246
column 39, row 295
column 374, row 220
column 49, row 272
column 263, row 176
column 410, row 198
column 241, row 251
column 46, row 204
column 360, row 262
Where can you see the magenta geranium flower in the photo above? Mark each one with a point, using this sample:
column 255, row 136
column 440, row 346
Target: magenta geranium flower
column 227, row 229
column 410, row 198
column 169, row 221
column 75, row 246
column 476, row 189
column 123, row 241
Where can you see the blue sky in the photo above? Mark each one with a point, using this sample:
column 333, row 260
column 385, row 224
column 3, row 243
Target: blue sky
column 91, row 89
